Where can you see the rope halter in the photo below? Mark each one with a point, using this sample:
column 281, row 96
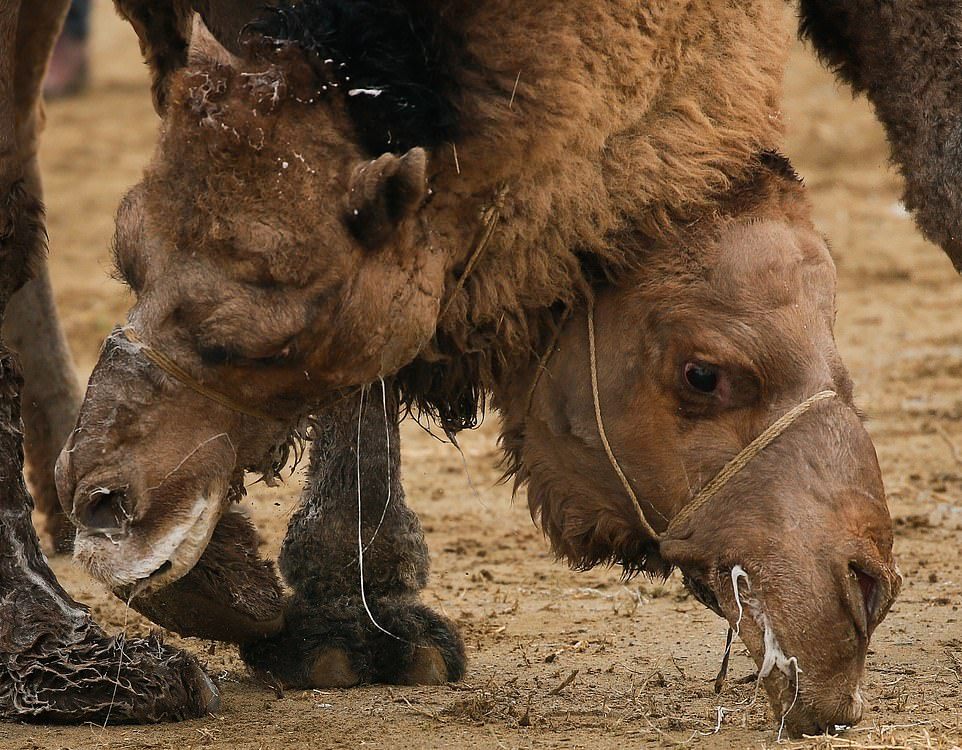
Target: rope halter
column 729, row 470
column 178, row 373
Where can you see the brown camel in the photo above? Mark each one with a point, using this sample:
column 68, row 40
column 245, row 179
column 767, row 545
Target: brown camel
column 595, row 230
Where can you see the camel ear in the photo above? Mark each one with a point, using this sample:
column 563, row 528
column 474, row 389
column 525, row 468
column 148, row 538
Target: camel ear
column 383, row 193
column 205, row 48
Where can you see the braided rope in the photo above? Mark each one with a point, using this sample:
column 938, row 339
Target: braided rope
column 729, row 470
column 593, row 359
column 749, row 452
column 178, row 373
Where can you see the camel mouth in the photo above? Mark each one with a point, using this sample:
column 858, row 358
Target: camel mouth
column 701, row 589
column 801, row 705
column 798, row 717
column 142, row 562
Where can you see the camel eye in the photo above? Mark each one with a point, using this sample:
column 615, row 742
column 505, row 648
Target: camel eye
column 703, row 378
column 214, row 356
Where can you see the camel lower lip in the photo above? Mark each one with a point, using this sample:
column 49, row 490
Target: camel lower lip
column 155, row 579
column 138, row 565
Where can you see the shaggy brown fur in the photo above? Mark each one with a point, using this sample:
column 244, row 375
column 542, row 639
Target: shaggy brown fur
column 905, row 57
column 586, row 153
column 279, row 258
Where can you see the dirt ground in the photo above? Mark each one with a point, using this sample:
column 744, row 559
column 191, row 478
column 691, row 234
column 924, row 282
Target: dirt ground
column 559, row 659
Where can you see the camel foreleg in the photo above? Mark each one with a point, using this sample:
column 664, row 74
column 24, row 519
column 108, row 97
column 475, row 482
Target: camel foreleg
column 335, row 635
column 56, row 665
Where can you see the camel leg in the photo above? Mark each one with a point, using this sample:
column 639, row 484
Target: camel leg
column 51, row 397
column 329, row 639
column 56, row 665
column 51, row 394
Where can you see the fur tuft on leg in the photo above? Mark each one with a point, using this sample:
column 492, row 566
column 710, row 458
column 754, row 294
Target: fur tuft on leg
column 334, row 644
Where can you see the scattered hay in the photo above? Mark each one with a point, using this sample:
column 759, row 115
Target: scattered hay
column 478, row 708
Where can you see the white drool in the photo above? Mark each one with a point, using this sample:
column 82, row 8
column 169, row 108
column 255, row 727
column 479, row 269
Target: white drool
column 773, row 658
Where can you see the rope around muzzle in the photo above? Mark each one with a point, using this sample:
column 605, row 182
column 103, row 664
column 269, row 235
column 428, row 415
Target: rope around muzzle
column 178, row 373
column 728, row 471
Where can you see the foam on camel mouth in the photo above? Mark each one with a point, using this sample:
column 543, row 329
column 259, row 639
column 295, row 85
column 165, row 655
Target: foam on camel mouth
column 136, row 565
column 775, row 665
column 774, row 660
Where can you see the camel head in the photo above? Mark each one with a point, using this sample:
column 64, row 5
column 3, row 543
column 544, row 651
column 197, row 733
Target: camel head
column 275, row 258
column 698, row 354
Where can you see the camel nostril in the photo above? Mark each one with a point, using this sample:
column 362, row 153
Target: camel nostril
column 869, row 588
column 103, row 511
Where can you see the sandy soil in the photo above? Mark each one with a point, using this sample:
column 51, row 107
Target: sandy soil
column 559, row 659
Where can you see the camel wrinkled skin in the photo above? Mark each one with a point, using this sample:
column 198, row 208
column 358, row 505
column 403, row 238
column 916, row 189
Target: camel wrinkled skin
column 249, row 271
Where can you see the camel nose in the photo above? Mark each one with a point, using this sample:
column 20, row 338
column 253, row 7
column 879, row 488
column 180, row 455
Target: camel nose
column 94, row 507
column 101, row 511
column 803, row 719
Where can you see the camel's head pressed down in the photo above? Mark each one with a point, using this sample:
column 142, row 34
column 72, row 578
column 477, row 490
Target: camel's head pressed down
column 273, row 259
column 697, row 355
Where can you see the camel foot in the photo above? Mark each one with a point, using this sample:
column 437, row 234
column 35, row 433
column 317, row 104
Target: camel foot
column 104, row 680
column 335, row 644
